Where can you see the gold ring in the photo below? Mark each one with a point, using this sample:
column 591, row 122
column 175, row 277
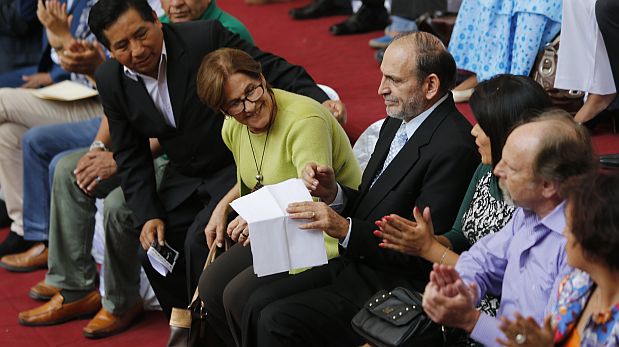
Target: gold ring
column 245, row 233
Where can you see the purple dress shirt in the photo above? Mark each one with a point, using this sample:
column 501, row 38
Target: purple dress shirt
column 523, row 263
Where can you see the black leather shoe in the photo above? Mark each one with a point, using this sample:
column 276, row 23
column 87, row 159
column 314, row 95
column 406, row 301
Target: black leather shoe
column 14, row 244
column 5, row 221
column 320, row 8
column 365, row 20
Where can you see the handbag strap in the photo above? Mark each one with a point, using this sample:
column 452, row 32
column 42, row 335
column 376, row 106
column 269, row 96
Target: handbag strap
column 209, row 259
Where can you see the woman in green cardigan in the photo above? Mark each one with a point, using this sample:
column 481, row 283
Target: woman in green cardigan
column 498, row 105
column 272, row 135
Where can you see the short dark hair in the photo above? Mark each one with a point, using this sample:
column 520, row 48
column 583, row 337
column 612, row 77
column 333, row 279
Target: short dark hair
column 500, row 103
column 593, row 203
column 565, row 151
column 431, row 57
column 215, row 70
column 106, row 12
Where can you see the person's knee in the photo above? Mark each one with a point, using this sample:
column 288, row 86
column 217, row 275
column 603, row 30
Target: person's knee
column 63, row 172
column 33, row 141
column 115, row 208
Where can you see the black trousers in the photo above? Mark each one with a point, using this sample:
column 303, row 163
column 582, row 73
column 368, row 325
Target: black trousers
column 173, row 290
column 607, row 14
column 315, row 316
column 412, row 9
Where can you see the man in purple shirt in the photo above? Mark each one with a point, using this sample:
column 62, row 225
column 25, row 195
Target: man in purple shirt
column 523, row 262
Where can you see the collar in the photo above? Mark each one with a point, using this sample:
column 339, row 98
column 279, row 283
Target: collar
column 413, row 124
column 554, row 221
column 134, row 75
column 211, row 12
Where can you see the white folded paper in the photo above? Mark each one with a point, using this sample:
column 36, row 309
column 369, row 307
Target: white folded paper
column 65, row 91
column 277, row 243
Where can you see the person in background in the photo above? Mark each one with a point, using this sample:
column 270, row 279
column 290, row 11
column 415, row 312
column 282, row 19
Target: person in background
column 587, row 308
column 498, row 104
column 583, row 62
column 525, row 261
column 497, row 37
column 268, row 126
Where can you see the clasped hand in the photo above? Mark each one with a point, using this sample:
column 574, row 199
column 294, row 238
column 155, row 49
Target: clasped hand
column 92, row 168
column 448, row 300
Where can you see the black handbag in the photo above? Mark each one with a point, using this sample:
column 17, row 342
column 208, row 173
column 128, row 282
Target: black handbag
column 396, row 318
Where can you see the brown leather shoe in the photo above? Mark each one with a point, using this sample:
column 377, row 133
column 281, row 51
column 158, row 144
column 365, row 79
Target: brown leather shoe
column 33, row 259
column 56, row 312
column 106, row 323
column 43, row 291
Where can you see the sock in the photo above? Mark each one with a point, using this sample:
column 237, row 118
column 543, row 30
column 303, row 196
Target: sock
column 73, row 295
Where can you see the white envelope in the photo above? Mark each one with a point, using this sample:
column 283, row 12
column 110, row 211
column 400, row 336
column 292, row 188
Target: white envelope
column 277, row 243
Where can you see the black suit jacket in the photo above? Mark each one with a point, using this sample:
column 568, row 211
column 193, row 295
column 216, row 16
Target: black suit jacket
column 198, row 157
column 433, row 169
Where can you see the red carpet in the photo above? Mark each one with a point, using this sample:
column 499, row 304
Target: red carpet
column 344, row 63
column 151, row 330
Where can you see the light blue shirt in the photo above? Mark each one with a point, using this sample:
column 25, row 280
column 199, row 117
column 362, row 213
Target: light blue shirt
column 523, row 263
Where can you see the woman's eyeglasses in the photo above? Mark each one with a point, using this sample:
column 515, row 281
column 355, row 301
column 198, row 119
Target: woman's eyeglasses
column 237, row 106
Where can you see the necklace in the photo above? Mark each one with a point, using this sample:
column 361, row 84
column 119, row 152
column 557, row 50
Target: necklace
column 259, row 176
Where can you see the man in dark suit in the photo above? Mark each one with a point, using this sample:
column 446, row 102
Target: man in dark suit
column 149, row 90
column 424, row 157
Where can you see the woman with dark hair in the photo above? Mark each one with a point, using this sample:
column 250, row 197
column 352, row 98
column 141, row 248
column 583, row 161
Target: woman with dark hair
column 272, row 135
column 587, row 309
column 498, row 104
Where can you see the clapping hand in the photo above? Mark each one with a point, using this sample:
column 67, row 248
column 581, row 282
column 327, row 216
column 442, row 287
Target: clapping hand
column 448, row 300
column 82, row 57
column 526, row 332
column 53, row 15
column 410, row 237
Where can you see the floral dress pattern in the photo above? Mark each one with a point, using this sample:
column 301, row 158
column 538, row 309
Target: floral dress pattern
column 493, row 37
column 601, row 330
column 486, row 215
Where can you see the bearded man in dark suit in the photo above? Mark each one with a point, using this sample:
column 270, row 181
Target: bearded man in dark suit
column 149, row 91
column 424, row 156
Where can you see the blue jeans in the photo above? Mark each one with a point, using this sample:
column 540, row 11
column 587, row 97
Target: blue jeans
column 42, row 147
column 13, row 79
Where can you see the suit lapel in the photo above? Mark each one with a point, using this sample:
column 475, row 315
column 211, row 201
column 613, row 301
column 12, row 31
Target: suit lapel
column 146, row 105
column 177, row 73
column 403, row 162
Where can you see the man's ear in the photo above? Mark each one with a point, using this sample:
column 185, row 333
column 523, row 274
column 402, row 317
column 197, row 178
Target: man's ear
column 550, row 189
column 432, row 86
column 157, row 21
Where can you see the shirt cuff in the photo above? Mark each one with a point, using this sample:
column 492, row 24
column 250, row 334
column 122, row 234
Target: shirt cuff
column 486, row 330
column 340, row 200
column 344, row 242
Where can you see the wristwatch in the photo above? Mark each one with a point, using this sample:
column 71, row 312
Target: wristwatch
column 98, row 145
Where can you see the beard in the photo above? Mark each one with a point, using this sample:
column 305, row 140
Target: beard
column 414, row 106
column 506, row 196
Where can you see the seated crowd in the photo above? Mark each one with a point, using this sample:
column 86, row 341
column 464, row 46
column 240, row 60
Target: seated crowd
column 508, row 228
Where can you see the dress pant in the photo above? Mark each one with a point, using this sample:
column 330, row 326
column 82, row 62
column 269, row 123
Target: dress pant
column 42, row 147
column 314, row 317
column 20, row 110
column 225, row 287
column 71, row 233
column 412, row 9
column 607, row 12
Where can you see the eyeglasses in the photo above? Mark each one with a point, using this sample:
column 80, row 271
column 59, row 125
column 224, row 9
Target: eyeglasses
column 237, row 106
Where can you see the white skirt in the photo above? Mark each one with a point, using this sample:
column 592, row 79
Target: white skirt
column 583, row 61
